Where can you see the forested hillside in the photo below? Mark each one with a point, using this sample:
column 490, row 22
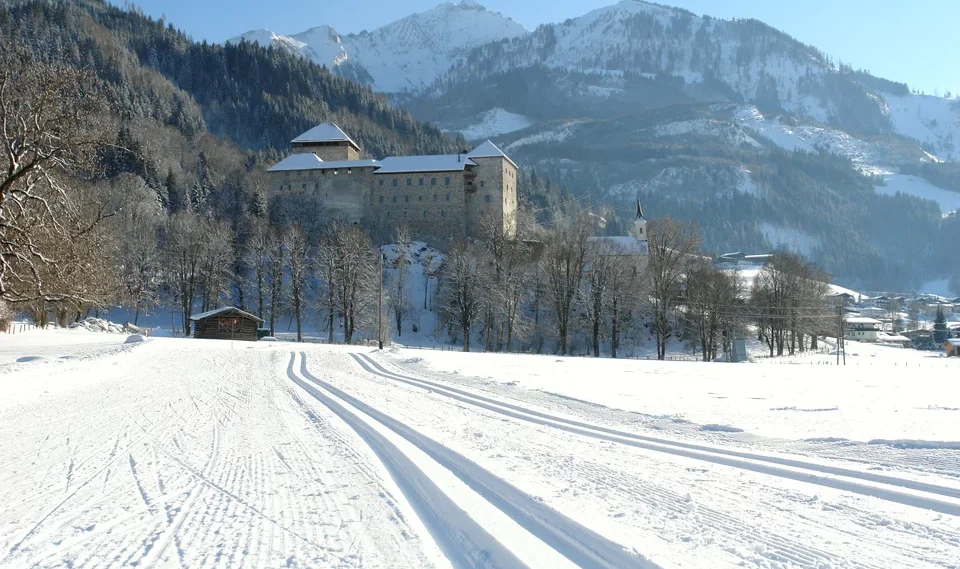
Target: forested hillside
column 182, row 132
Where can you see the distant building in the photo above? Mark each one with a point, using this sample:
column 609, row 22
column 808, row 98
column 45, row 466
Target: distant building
column 863, row 329
column 742, row 260
column 440, row 198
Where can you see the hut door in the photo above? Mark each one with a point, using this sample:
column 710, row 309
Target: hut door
column 231, row 324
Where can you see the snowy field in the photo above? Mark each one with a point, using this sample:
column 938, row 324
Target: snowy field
column 189, row 453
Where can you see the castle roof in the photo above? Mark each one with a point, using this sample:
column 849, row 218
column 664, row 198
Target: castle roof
column 414, row 164
column 310, row 161
column 489, row 150
column 301, row 161
column 326, row 132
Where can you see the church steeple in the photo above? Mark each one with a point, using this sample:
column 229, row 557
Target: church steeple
column 640, row 224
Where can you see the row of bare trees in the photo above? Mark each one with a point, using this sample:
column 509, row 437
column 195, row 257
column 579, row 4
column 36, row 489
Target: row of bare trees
column 565, row 288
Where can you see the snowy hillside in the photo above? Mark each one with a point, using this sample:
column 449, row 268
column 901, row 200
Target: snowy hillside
column 494, row 123
column 405, row 55
column 934, row 121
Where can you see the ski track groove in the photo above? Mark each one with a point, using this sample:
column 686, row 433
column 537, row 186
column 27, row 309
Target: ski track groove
column 770, row 465
column 466, row 544
column 579, row 544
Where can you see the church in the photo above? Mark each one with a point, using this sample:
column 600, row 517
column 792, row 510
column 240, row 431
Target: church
column 440, row 198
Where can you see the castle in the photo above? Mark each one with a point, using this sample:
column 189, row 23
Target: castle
column 440, row 198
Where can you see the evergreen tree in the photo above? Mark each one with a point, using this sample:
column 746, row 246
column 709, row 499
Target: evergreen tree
column 940, row 330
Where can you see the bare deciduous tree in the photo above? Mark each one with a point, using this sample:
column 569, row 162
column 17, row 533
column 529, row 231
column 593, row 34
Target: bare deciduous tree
column 563, row 261
column 398, row 299
column 672, row 245
column 296, row 247
column 52, row 123
column 462, row 289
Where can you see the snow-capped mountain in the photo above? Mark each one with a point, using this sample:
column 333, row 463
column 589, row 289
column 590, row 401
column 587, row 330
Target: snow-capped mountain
column 405, row 55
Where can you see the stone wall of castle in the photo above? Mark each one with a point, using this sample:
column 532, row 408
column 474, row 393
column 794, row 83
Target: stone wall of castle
column 431, row 204
column 329, row 152
column 439, row 207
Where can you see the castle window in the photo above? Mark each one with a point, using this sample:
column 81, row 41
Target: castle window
column 406, row 199
column 335, row 172
column 394, row 199
column 442, row 213
column 421, row 181
column 388, row 215
column 303, row 186
column 349, row 170
column 448, row 196
column 409, row 181
column 381, row 182
column 381, row 199
column 395, row 182
column 486, row 198
column 424, row 213
column 446, row 181
column 482, row 183
column 435, row 197
column 433, row 181
column 316, row 185
column 419, row 198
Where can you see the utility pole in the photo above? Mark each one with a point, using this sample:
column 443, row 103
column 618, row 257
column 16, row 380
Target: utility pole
column 841, row 342
column 380, row 300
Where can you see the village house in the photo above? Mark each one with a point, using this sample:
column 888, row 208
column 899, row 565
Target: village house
column 440, row 198
column 863, row 329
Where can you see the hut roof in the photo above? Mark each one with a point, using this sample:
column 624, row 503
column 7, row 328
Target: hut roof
column 224, row 310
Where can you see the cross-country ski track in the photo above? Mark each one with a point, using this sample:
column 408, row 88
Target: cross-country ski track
column 930, row 496
column 189, row 453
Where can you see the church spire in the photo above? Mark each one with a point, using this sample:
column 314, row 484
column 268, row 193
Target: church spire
column 639, row 210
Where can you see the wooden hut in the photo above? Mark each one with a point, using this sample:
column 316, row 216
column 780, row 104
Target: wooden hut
column 227, row 323
column 952, row 347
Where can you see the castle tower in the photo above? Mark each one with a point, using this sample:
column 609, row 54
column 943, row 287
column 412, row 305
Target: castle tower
column 493, row 193
column 640, row 224
column 328, row 142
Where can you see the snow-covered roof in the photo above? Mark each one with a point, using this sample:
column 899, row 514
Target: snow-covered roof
column 343, row 164
column 413, row 164
column 861, row 320
column 489, row 150
column 629, row 245
column 954, row 341
column 224, row 310
column 890, row 337
column 326, row 132
column 299, row 161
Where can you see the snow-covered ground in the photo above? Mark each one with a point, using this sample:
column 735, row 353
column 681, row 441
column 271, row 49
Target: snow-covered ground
column 196, row 453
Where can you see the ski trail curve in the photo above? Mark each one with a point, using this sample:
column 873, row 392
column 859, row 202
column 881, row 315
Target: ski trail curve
column 792, row 469
column 463, row 541
column 582, row 546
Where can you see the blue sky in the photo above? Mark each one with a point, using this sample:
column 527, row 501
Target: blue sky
column 909, row 41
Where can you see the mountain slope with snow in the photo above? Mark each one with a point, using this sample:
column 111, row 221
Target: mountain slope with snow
column 405, row 55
